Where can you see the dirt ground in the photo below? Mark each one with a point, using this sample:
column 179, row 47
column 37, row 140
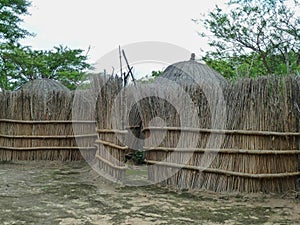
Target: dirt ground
column 72, row 193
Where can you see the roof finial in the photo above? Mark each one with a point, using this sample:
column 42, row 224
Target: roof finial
column 193, row 57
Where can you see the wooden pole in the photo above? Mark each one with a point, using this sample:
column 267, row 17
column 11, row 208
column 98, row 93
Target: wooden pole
column 129, row 68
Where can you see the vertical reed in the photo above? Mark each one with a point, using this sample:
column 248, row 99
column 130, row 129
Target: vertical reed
column 265, row 104
column 25, row 136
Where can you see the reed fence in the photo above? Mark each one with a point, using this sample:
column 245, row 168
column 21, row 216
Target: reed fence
column 111, row 153
column 243, row 137
column 111, row 147
column 39, row 126
column 259, row 150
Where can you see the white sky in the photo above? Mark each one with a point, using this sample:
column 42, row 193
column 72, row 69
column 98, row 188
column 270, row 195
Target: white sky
column 104, row 25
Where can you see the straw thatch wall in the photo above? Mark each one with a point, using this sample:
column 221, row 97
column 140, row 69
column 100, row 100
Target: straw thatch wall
column 259, row 150
column 37, row 125
column 243, row 137
column 110, row 107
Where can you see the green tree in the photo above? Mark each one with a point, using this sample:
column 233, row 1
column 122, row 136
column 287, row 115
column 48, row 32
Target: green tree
column 253, row 38
column 11, row 12
column 156, row 73
column 22, row 64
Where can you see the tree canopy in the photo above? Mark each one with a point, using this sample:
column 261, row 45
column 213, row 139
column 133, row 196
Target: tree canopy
column 11, row 12
column 20, row 64
column 253, row 37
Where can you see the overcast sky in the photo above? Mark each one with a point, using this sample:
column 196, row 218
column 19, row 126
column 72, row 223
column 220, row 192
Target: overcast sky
column 104, row 25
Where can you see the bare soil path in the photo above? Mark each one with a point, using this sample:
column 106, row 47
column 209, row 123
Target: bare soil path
column 71, row 193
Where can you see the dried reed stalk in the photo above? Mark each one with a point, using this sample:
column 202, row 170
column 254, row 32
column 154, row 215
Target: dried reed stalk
column 111, row 135
column 261, row 138
column 37, row 125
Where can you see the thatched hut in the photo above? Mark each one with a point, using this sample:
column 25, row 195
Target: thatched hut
column 192, row 72
column 48, row 100
column 189, row 80
column 44, row 85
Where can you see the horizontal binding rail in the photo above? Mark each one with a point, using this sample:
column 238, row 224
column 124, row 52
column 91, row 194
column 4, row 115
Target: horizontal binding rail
column 216, row 131
column 111, row 131
column 226, row 151
column 47, row 137
column 110, row 164
column 45, row 148
column 112, row 145
column 224, row 172
column 48, row 121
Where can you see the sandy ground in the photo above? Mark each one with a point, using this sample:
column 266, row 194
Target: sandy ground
column 72, row 193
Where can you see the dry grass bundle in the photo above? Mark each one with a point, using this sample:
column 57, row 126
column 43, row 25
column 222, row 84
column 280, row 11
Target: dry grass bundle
column 111, row 134
column 83, row 109
column 36, row 125
column 247, row 161
column 168, row 106
column 265, row 104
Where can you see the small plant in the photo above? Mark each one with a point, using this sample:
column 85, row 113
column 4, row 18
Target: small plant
column 135, row 157
column 139, row 157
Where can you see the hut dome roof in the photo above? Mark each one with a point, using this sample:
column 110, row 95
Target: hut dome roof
column 191, row 72
column 44, row 85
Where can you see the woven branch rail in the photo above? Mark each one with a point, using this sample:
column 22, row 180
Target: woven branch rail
column 47, row 121
column 45, row 148
column 224, row 172
column 225, row 151
column 110, row 164
column 47, row 137
column 113, row 131
column 216, row 131
column 112, row 145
